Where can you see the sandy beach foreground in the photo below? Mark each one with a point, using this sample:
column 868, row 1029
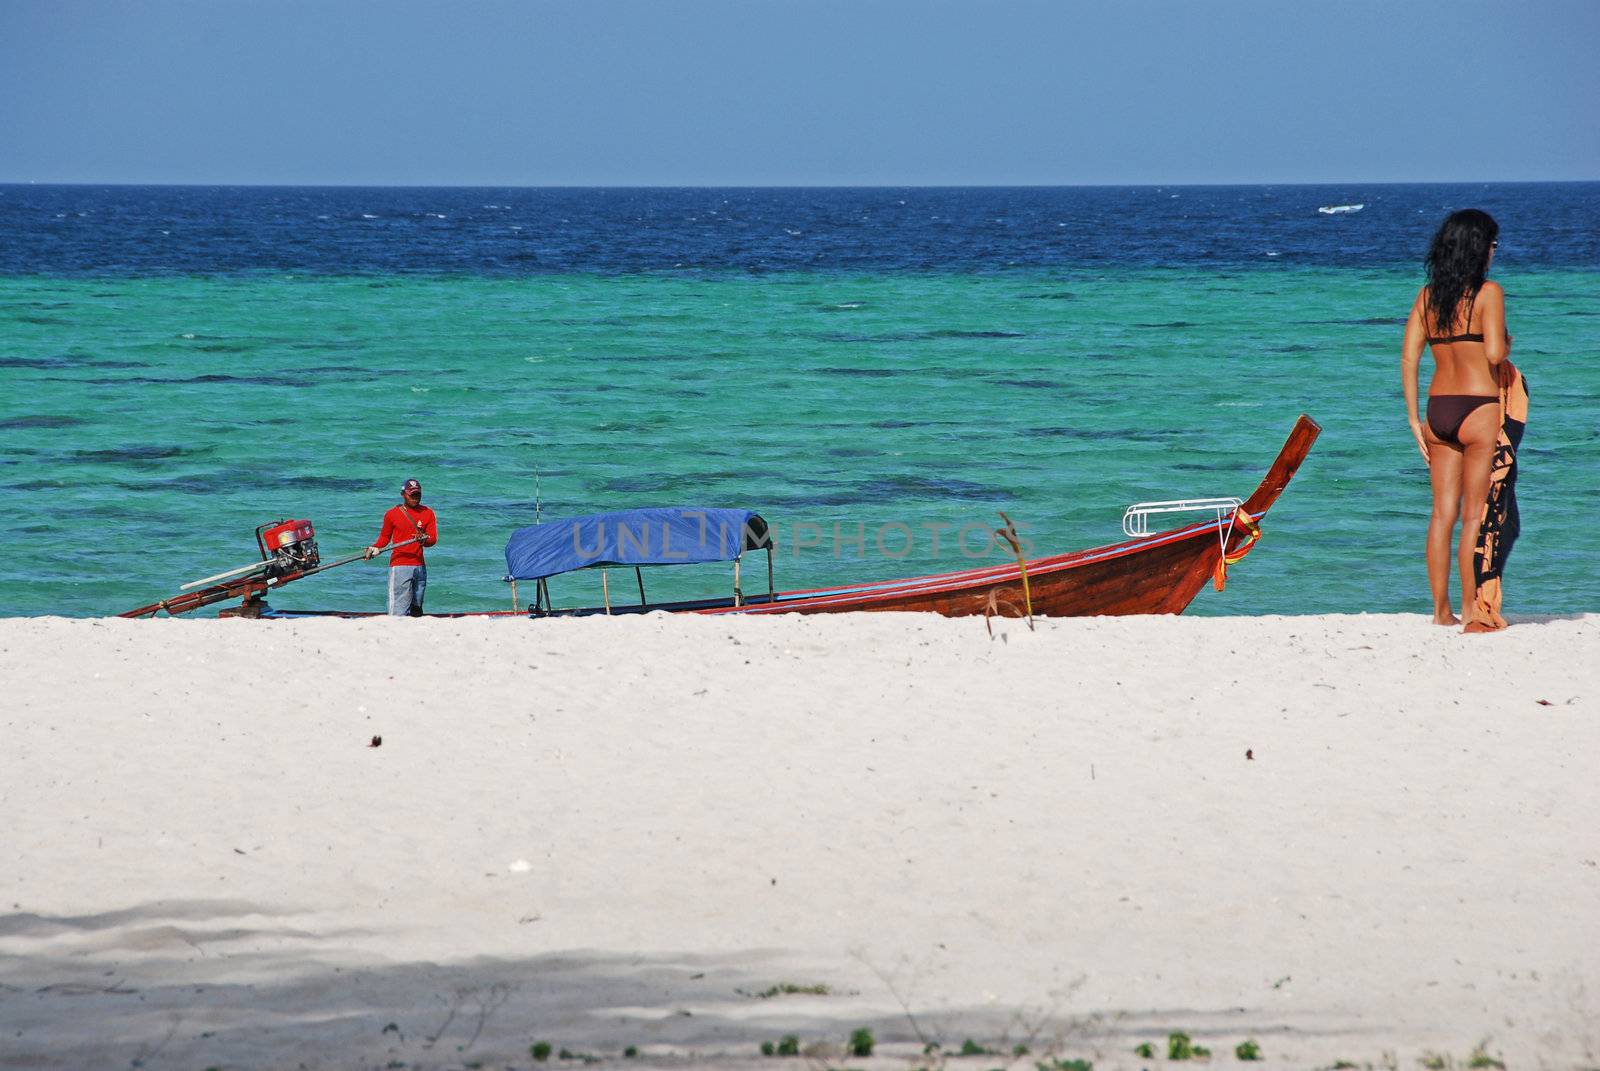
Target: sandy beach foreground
column 1359, row 839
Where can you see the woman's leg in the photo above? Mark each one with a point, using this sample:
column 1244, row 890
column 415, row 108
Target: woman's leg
column 1479, row 435
column 1444, row 470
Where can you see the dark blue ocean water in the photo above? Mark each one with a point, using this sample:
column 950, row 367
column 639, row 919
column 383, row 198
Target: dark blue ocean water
column 132, row 230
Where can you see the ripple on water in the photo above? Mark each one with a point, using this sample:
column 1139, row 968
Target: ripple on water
column 41, row 421
column 935, row 487
column 138, row 456
column 66, row 360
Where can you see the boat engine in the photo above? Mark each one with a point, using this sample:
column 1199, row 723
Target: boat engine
column 291, row 545
column 288, row 552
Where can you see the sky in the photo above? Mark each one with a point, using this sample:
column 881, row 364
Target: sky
column 797, row 92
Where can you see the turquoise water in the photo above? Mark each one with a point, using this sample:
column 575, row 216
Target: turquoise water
column 151, row 423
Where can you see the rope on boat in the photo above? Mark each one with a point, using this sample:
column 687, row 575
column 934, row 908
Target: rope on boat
column 1219, row 577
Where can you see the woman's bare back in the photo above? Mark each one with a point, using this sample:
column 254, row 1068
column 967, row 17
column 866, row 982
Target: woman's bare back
column 1463, row 365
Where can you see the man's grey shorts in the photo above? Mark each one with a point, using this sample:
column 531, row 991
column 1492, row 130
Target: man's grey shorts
column 406, row 585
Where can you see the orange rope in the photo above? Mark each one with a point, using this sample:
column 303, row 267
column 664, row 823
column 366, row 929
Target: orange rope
column 1219, row 577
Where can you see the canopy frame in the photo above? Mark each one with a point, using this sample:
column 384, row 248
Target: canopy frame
column 542, row 604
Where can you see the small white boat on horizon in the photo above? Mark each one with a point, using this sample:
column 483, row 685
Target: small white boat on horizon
column 1334, row 210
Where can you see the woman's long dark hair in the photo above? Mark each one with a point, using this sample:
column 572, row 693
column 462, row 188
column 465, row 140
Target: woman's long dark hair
column 1457, row 263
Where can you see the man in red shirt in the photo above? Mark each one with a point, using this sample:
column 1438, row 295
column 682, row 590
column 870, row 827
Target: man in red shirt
column 408, row 574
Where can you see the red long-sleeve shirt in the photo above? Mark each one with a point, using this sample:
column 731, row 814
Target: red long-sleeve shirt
column 399, row 525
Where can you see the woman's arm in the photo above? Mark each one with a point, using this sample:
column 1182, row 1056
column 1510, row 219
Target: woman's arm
column 1496, row 342
column 1411, row 346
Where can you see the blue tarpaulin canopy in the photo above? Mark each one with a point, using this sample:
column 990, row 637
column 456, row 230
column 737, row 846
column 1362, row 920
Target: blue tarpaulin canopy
column 669, row 535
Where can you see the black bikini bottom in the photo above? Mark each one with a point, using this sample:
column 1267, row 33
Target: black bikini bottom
column 1447, row 412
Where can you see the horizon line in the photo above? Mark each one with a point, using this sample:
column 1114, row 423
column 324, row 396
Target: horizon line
column 780, row 186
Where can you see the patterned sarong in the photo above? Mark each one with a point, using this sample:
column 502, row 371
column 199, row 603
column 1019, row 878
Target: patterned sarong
column 1500, row 520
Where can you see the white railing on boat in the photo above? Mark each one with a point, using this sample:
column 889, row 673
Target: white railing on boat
column 1136, row 519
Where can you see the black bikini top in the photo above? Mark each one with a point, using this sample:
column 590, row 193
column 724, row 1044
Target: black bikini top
column 1474, row 336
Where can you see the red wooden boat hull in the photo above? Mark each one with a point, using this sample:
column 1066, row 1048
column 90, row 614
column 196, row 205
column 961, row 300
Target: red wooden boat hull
column 1157, row 574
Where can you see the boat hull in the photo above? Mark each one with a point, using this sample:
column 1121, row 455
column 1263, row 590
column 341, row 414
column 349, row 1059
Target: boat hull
column 1140, row 579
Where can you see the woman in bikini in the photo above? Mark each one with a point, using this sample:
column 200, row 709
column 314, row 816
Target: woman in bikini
column 1461, row 315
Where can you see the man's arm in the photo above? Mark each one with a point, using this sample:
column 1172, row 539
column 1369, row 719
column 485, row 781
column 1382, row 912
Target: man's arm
column 430, row 529
column 384, row 535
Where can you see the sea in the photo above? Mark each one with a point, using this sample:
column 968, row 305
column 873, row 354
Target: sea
column 880, row 373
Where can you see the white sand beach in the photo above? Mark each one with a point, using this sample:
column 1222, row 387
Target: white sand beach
column 1360, row 839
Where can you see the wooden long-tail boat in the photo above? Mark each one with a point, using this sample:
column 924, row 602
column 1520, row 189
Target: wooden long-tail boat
column 1155, row 574
column 1148, row 573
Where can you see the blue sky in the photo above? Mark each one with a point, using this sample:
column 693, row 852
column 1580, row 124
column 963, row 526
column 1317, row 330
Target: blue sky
column 806, row 92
